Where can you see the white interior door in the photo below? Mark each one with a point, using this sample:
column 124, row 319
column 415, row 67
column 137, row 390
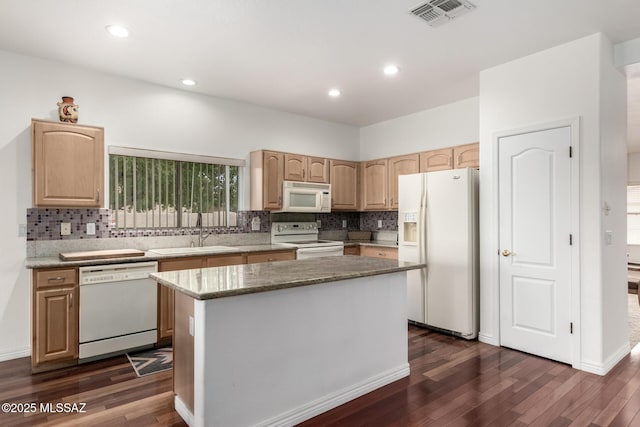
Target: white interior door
column 535, row 252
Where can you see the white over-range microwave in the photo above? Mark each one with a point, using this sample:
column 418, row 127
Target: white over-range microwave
column 306, row 197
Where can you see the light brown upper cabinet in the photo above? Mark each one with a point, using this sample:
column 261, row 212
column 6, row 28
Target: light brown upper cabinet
column 436, row 160
column 401, row 165
column 317, row 170
column 305, row 168
column 344, row 185
column 68, row 164
column 466, row 156
column 295, row 167
column 375, row 184
column 267, row 174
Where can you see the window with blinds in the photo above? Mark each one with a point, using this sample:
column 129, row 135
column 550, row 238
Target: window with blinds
column 165, row 190
column 633, row 214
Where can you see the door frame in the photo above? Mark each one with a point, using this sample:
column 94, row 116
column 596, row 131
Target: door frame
column 574, row 123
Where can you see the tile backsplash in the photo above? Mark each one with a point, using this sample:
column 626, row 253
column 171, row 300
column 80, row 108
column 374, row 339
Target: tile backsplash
column 44, row 224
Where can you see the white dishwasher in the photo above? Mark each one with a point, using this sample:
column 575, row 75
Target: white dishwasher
column 118, row 308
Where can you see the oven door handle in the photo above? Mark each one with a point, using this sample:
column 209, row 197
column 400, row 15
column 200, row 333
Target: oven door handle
column 320, row 249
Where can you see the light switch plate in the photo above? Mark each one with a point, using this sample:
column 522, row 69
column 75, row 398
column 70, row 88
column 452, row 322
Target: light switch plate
column 344, row 223
column 65, row 228
column 91, row 228
column 255, row 223
column 608, row 237
column 319, row 223
column 379, row 223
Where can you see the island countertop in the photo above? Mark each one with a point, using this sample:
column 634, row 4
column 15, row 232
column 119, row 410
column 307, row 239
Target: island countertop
column 233, row 280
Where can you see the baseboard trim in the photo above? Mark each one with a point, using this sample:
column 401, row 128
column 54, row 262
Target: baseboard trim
column 183, row 411
column 604, row 368
column 332, row 400
column 15, row 354
column 488, row 339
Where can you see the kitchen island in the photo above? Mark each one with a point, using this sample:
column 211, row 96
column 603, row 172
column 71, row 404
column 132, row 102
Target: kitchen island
column 278, row 343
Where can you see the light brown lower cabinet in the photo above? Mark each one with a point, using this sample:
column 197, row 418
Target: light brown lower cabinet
column 352, row 250
column 55, row 322
column 258, row 257
column 379, row 252
column 166, row 296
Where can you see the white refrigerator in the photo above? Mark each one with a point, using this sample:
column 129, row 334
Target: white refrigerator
column 438, row 225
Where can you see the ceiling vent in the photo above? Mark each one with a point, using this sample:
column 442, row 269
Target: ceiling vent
column 438, row 12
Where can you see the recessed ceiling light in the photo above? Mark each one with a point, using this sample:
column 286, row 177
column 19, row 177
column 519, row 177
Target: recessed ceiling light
column 391, row 69
column 188, row 82
column 117, row 31
column 334, row 93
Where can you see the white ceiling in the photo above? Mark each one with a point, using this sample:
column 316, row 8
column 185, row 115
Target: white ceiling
column 286, row 54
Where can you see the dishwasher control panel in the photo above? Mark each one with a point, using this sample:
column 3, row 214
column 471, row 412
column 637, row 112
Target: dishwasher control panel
column 117, row 272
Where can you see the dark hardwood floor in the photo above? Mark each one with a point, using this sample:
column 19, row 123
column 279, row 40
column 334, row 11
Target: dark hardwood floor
column 453, row 382
column 113, row 394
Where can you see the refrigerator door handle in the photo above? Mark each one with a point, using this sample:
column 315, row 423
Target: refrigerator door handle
column 422, row 222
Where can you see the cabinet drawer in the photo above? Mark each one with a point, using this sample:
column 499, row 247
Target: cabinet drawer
column 379, row 252
column 55, row 278
column 175, row 264
column 270, row 256
column 352, row 250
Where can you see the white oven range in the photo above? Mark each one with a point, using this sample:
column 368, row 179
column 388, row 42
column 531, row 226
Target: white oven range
column 304, row 237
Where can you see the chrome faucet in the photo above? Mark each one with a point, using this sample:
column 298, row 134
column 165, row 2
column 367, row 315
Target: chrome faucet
column 201, row 238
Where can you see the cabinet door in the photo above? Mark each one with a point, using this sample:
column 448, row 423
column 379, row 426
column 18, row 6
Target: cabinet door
column 401, row 165
column 467, row 156
column 295, row 167
column 68, row 165
column 379, row 252
column 318, row 170
column 56, row 322
column 166, row 295
column 273, row 173
column 166, row 302
column 344, row 185
column 222, row 260
column 375, row 184
column 255, row 258
column 436, row 160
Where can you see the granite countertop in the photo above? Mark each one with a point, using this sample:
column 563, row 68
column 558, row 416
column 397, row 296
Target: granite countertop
column 233, row 280
column 52, row 262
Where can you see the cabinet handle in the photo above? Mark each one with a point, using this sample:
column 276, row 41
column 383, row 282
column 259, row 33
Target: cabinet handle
column 304, row 173
column 459, row 159
column 98, row 195
column 70, row 300
column 55, row 279
column 392, row 200
column 384, row 202
column 381, row 253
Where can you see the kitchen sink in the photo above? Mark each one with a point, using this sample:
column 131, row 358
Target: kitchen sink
column 193, row 250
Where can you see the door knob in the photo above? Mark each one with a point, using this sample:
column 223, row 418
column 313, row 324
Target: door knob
column 506, row 252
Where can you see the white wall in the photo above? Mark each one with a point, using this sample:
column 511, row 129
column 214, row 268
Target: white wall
column 613, row 151
column 561, row 82
column 452, row 124
column 134, row 114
